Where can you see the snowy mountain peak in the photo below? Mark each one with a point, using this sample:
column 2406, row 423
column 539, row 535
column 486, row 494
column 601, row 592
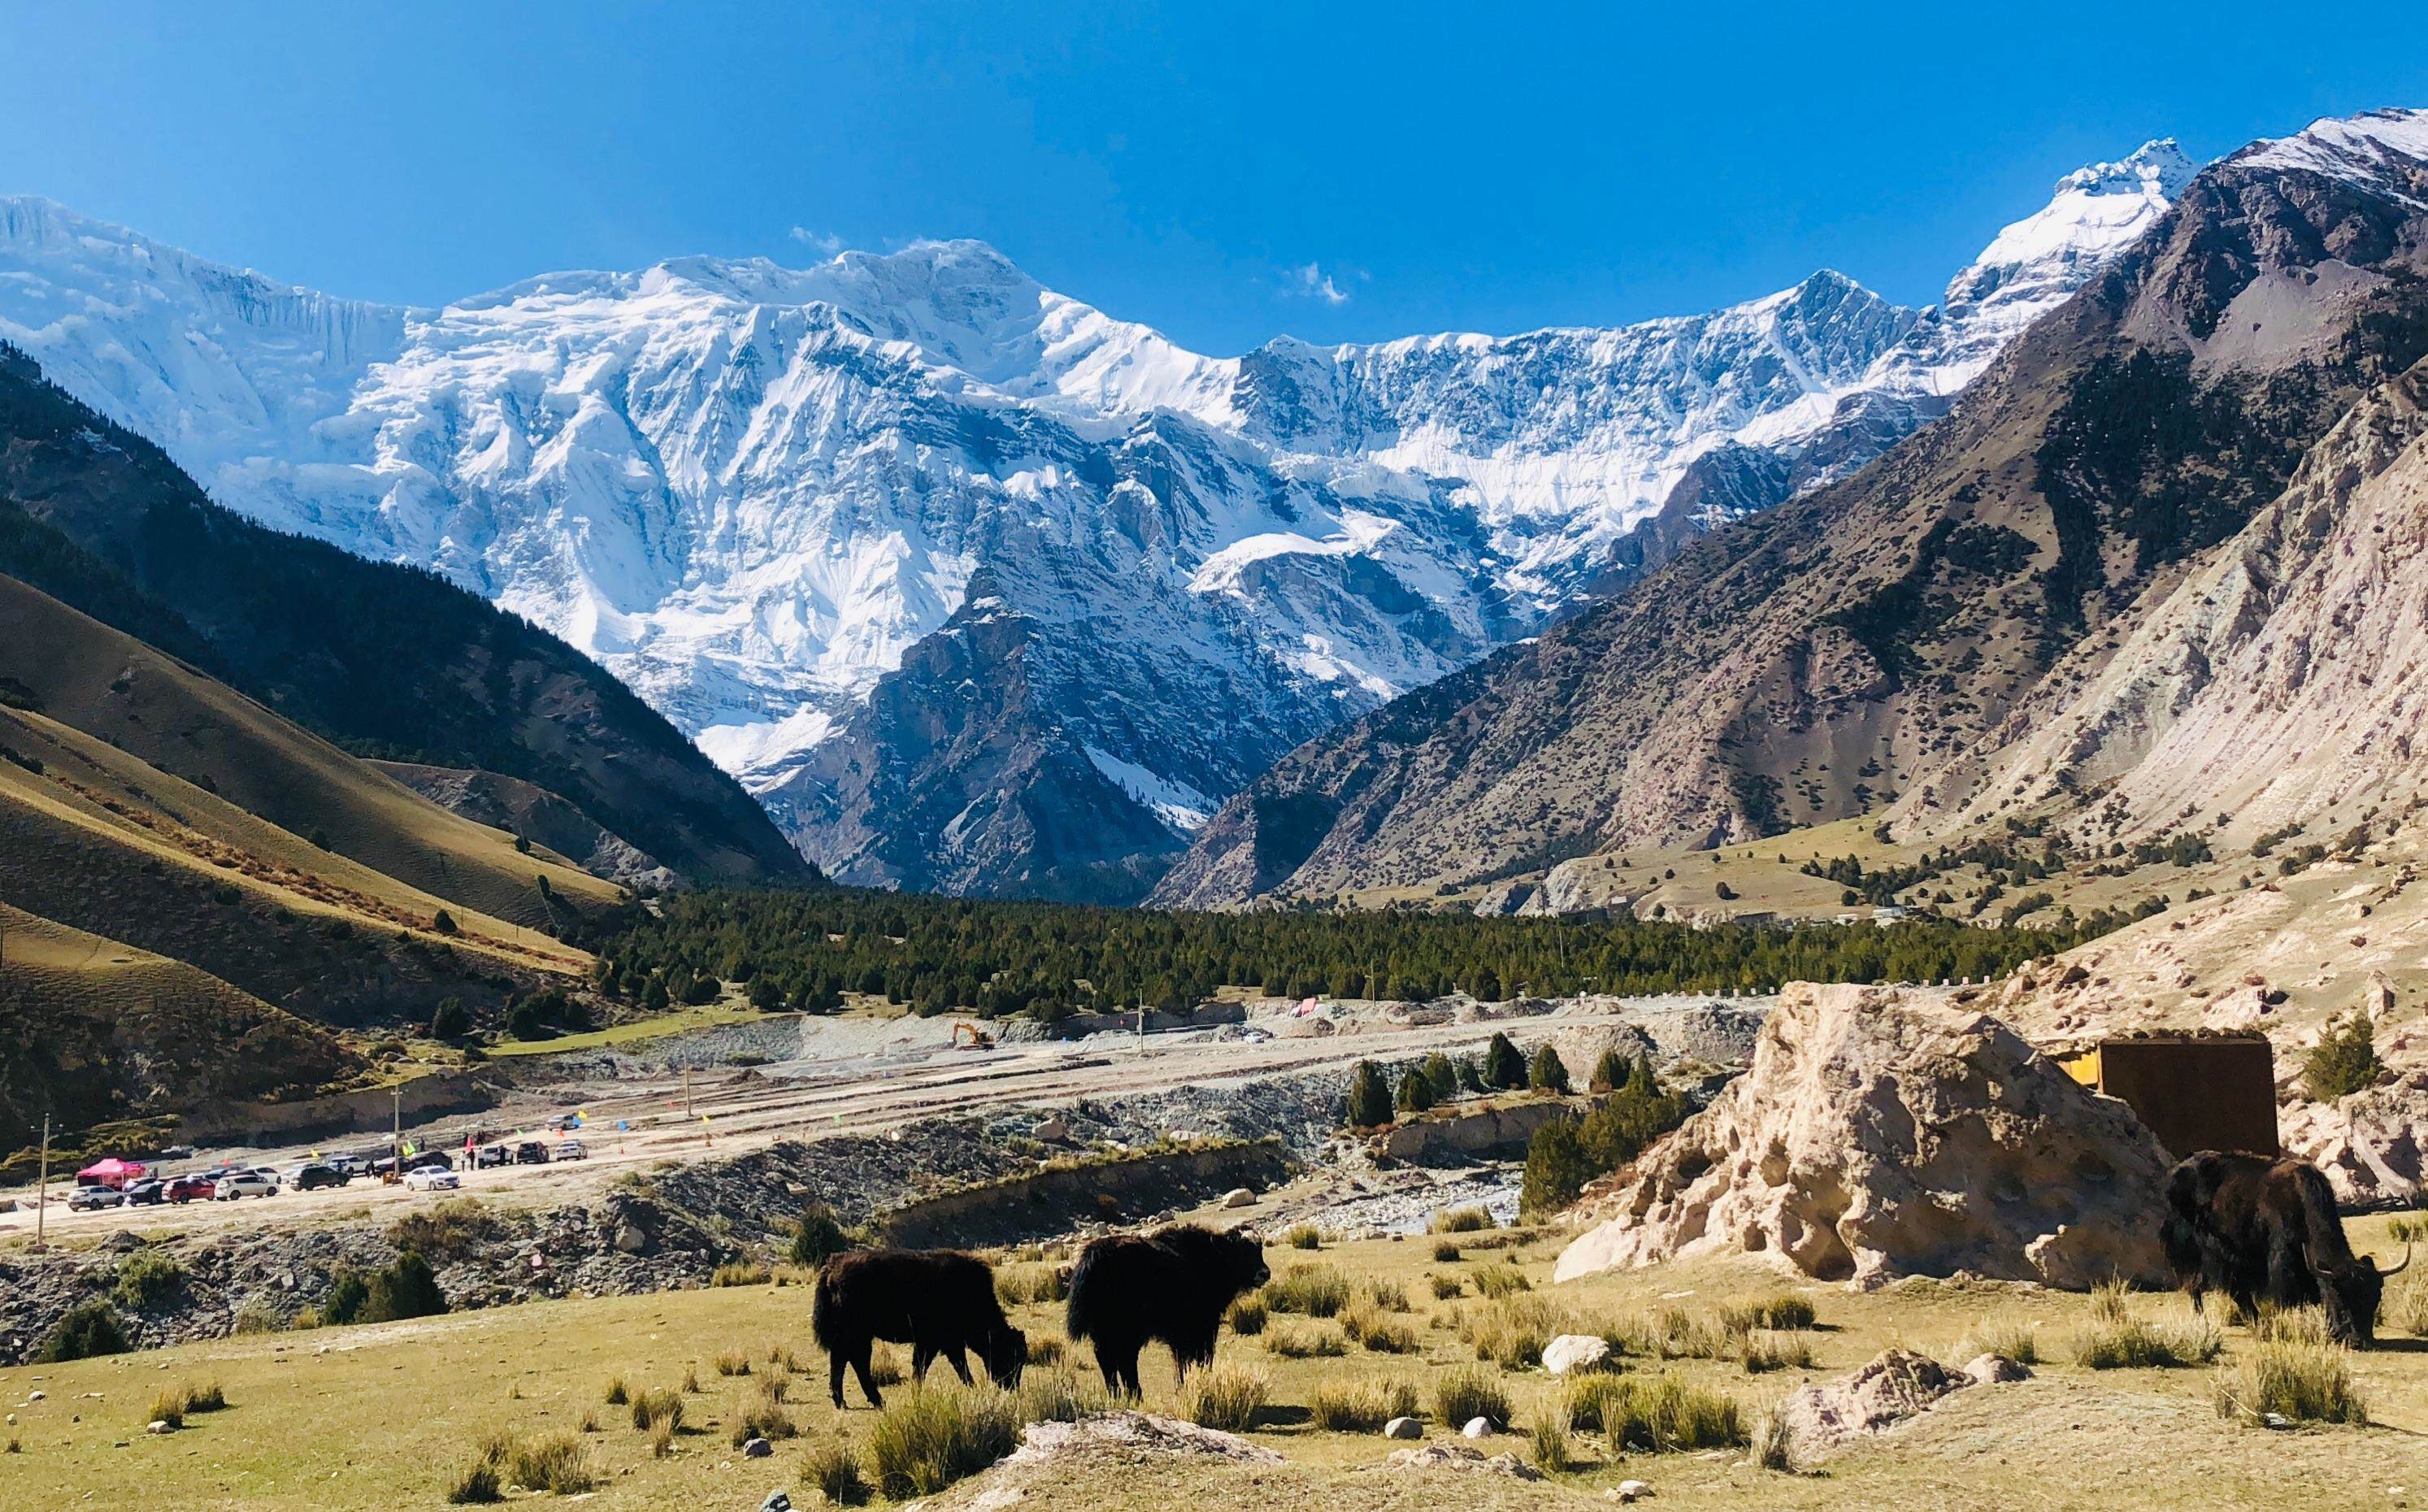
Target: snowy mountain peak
column 2384, row 152
column 2159, row 165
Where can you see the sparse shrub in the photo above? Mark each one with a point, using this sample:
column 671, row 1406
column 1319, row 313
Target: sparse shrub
column 741, row 1274
column 818, row 1237
column 168, row 1405
column 1501, row 1279
column 2298, row 1382
column 884, row 1368
column 834, row 1469
column 406, row 1288
column 1446, row 1252
column 1040, row 1282
column 732, row 1362
column 2344, row 1060
column 475, row 1484
column 1386, row 1294
column 86, row 1331
column 655, row 1407
column 762, row 1420
column 2013, row 1338
column 254, row 1316
column 448, row 1231
column 1388, row 1336
column 1584, row 1398
column 1447, row 1287
column 1369, row 1096
column 147, row 1278
column 1511, row 1331
column 1782, row 1310
column 662, row 1440
column 1548, row 1438
column 590, row 1420
column 1303, row 1236
column 1505, row 1068
column 1297, row 1341
column 558, row 1462
column 1247, row 1316
column 2408, row 1228
column 2406, row 1305
column 1660, row 1414
column 2290, row 1325
column 927, row 1439
column 1774, row 1349
column 1225, row 1396
column 1316, row 1290
column 206, row 1396
column 1460, row 1221
column 1058, row 1395
column 1774, row 1442
column 619, row 1391
column 1470, row 1392
column 776, row 1385
column 691, row 1380
column 1348, row 1406
column 1546, row 1072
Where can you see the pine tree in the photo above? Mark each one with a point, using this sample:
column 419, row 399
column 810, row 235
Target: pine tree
column 1609, row 1072
column 1470, row 1075
column 1549, row 1072
column 1370, row 1098
column 1443, row 1076
column 1504, row 1069
column 450, row 1021
column 1416, row 1092
column 1557, row 1168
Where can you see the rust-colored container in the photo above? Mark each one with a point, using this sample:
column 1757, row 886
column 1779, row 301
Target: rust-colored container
column 2195, row 1092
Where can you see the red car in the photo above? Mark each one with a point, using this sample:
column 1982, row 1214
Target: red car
column 192, row 1189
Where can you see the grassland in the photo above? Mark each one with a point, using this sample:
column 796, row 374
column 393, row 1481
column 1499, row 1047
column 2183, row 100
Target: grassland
column 380, row 1417
column 721, row 1015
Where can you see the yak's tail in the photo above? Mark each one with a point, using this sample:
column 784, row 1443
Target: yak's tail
column 1083, row 1309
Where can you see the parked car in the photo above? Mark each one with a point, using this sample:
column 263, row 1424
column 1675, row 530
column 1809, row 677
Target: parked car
column 146, row 1193
column 349, row 1166
column 191, row 1188
column 413, row 1163
column 566, row 1122
column 530, row 1152
column 86, row 1199
column 178, row 1152
column 493, row 1154
column 571, row 1150
column 432, row 1178
column 253, row 1183
column 316, row 1174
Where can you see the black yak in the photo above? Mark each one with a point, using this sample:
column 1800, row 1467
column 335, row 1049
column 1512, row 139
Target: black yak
column 2261, row 1230
column 1173, row 1284
column 939, row 1301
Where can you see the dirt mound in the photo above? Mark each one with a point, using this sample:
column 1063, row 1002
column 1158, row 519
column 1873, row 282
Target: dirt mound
column 1897, row 1384
column 1883, row 1133
column 1133, row 1436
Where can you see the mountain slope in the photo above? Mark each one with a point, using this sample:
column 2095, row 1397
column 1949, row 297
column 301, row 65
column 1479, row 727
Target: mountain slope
column 750, row 490
column 385, row 659
column 1811, row 663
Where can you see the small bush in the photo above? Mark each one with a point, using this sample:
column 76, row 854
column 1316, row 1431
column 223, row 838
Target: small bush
column 1388, row 1336
column 1225, row 1396
column 1340, row 1406
column 1447, row 1287
column 691, row 1380
column 1019, row 1285
column 2014, row 1338
column 1774, row 1442
column 2344, row 1062
column 1303, row 1236
column 1662, row 1414
column 1247, row 1316
column 407, row 1289
column 1511, row 1331
column 169, row 1406
column 2407, row 1305
column 1501, row 1279
column 659, row 1405
column 1470, row 1392
column 86, row 1331
column 834, row 1469
column 2408, row 1228
column 741, row 1274
column 1297, row 1341
column 560, row 1463
column 1446, row 1252
column 476, row 1484
column 1548, row 1438
column 732, row 1362
column 762, row 1420
column 1385, row 1293
column 1460, row 1221
column 619, row 1391
column 1316, row 1290
column 776, row 1385
column 818, row 1237
column 1058, row 1395
column 1784, row 1310
column 2298, row 1382
column 2133, row 1342
column 928, row 1438
column 2290, row 1325
column 662, row 1440
column 205, row 1397
column 257, row 1316
column 147, row 1278
column 1370, row 1098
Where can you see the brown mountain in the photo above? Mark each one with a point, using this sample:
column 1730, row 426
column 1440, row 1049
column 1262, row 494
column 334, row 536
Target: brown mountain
column 1816, row 662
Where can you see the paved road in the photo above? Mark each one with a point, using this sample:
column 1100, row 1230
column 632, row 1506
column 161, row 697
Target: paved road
column 859, row 1092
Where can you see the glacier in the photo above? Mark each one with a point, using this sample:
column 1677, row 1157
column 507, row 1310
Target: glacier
column 1140, row 573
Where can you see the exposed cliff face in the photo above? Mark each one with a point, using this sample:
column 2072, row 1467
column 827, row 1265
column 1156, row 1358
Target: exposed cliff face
column 1815, row 660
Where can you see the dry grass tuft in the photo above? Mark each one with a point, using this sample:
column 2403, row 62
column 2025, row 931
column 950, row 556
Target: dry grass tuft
column 1359, row 1404
column 762, row 1420
column 1291, row 1339
column 834, row 1469
column 732, row 1362
column 2295, row 1382
column 1460, row 1221
column 1303, row 1236
column 1501, row 1279
column 2017, row 1339
column 2124, row 1340
column 741, row 1274
column 1247, row 1316
column 1770, row 1349
column 927, row 1438
column 1225, row 1396
column 1662, row 1414
column 656, row 1407
column 1315, row 1291
column 1470, row 1392
column 559, row 1463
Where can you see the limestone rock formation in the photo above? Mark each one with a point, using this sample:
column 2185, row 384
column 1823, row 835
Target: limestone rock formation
column 1884, row 1132
column 1897, row 1386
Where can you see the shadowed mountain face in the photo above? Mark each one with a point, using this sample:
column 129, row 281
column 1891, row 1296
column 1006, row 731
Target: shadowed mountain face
column 386, row 660
column 1818, row 659
column 755, row 494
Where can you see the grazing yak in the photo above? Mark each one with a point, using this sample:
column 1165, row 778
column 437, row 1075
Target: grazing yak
column 939, row 1301
column 1173, row 1284
column 2261, row 1230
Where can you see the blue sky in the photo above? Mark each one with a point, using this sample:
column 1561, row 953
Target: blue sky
column 1457, row 166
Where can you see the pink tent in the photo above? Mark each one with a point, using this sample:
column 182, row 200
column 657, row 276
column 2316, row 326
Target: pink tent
column 111, row 1173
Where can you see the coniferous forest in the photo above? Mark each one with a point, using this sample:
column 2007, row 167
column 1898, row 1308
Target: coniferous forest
column 804, row 950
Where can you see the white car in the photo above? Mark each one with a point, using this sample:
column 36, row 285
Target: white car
column 432, row 1178
column 246, row 1184
column 571, row 1150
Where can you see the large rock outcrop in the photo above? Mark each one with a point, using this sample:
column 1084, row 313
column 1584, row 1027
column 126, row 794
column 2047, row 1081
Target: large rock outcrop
column 1882, row 1133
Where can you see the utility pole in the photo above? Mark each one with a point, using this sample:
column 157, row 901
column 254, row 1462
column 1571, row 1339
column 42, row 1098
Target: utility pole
column 688, row 1111
column 396, row 1132
column 42, row 1184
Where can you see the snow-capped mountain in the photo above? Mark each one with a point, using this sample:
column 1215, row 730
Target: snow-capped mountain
column 752, row 490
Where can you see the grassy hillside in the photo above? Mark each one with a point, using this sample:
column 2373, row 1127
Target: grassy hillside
column 387, row 661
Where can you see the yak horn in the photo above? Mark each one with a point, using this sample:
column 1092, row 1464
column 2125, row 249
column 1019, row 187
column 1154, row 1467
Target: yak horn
column 2400, row 1269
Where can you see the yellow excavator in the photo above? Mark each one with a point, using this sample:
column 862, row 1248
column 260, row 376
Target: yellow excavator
column 980, row 1038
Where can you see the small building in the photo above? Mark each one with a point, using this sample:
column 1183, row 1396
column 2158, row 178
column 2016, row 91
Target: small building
column 2193, row 1091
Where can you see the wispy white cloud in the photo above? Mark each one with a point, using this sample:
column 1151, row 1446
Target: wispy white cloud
column 824, row 243
column 1312, row 282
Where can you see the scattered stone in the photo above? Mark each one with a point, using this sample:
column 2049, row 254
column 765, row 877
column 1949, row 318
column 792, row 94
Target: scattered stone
column 1576, row 1353
column 631, row 1239
column 1993, row 1369
column 1239, row 1197
column 1478, row 1428
column 156, row 1426
column 1403, row 1428
column 757, row 1449
column 1632, row 1490
column 777, row 1501
column 1053, row 1130
column 1882, row 1133
column 33, row 1396
column 1897, row 1384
